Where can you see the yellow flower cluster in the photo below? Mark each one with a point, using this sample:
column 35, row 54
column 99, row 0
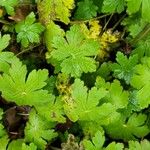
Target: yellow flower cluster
column 64, row 88
column 107, row 38
column 62, row 84
column 95, row 29
column 95, row 32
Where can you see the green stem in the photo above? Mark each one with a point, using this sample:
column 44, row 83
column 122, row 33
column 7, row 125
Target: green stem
column 107, row 22
column 26, row 50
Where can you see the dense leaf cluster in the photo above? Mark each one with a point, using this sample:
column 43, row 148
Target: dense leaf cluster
column 74, row 75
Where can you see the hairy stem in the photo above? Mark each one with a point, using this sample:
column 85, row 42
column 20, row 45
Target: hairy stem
column 141, row 35
column 96, row 18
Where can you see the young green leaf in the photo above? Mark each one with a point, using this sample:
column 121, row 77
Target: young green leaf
column 134, row 25
column 99, row 4
column 142, row 47
column 75, row 52
column 31, row 146
column 38, row 131
column 17, row 87
column 113, row 6
column 51, row 31
column 139, row 32
column 104, row 70
column 117, row 96
column 145, row 9
column 5, row 57
column 86, row 10
column 53, row 111
column 123, row 69
column 97, row 142
column 29, row 31
column 4, row 41
column 4, row 142
column 9, row 5
column 115, row 146
column 100, row 83
column 16, row 144
column 131, row 129
column 134, row 6
column 84, row 105
column 20, row 144
column 141, row 82
column 90, row 128
column 115, row 93
column 135, row 145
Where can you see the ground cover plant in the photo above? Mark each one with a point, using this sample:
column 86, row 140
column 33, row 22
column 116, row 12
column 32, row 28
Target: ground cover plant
column 74, row 75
